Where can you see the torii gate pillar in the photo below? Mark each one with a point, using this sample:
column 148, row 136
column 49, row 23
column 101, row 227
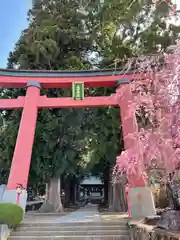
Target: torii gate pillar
column 22, row 154
column 140, row 197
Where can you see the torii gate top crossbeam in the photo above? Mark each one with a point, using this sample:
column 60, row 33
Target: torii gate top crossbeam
column 63, row 79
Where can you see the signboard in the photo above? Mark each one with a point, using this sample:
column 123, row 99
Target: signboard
column 78, row 91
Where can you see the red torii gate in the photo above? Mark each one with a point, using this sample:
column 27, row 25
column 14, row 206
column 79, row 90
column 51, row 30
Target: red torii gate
column 33, row 81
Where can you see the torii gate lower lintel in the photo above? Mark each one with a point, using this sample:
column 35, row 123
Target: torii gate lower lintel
column 33, row 101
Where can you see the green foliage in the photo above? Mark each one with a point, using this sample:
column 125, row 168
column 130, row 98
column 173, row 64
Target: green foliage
column 124, row 29
column 10, row 214
column 8, row 134
column 104, row 140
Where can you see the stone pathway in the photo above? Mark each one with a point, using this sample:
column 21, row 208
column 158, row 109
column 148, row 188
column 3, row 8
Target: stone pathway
column 89, row 213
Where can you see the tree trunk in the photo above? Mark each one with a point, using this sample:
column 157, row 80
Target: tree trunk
column 110, row 195
column 53, row 197
column 67, row 190
column 77, row 192
column 106, row 185
column 116, row 199
column 122, row 196
column 119, row 201
column 72, row 190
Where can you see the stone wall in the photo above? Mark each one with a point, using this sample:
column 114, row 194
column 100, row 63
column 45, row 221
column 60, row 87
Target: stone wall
column 10, row 196
column 2, row 190
column 140, row 231
column 4, row 232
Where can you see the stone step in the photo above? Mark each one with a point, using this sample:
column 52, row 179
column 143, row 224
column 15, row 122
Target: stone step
column 73, row 228
column 71, row 233
column 73, row 237
column 55, row 224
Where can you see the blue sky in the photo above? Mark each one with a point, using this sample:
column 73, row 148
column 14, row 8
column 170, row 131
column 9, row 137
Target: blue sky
column 13, row 15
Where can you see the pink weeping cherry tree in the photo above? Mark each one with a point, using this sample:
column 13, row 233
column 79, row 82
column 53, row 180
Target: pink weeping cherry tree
column 156, row 107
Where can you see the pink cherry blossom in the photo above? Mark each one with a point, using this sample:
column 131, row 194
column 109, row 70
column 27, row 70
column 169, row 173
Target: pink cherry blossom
column 155, row 99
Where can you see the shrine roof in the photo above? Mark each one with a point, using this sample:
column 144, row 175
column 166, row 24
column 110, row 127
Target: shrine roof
column 92, row 181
